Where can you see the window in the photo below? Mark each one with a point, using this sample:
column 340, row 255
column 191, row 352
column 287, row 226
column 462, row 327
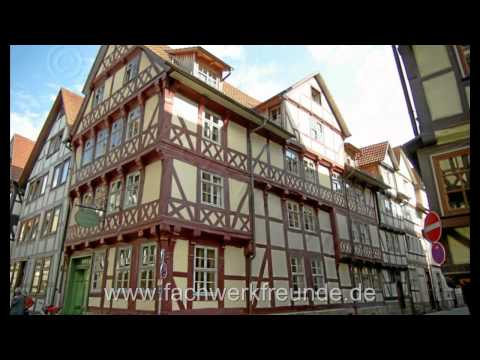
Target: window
column 98, row 95
column 88, row 152
column 147, row 266
column 355, row 232
column 308, row 219
column 87, row 199
column 364, row 234
column 463, row 54
column 212, row 126
column 100, row 196
column 122, row 279
column 292, row 161
column 44, row 184
column 367, row 281
column 274, row 115
column 293, row 215
column 37, row 188
column 60, row 174
column 97, row 271
column 131, row 70
column 16, row 274
column 54, row 145
column 40, row 277
column 207, row 76
column 337, row 182
column 133, row 123
column 453, row 175
column 116, row 135
column 316, row 97
column 34, row 230
column 317, row 274
column 25, row 231
column 309, row 169
column 131, row 190
column 212, row 189
column 114, row 197
column 316, row 130
column 60, row 117
column 102, row 140
column 50, row 222
column 205, row 270
column 298, row 274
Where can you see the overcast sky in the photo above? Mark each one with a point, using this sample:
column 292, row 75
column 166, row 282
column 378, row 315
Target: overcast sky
column 362, row 78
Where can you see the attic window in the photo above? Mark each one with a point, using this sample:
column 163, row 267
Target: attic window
column 131, row 70
column 274, row 115
column 207, row 76
column 98, row 95
column 316, row 97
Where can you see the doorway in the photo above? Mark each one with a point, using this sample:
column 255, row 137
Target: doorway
column 77, row 286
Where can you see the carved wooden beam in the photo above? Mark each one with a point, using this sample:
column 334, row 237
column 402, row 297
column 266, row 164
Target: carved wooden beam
column 153, row 230
column 139, row 162
column 120, row 237
column 140, row 233
column 177, row 229
column 102, row 241
column 197, row 233
column 141, row 99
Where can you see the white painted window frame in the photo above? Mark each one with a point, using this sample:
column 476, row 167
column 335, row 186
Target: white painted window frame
column 205, row 270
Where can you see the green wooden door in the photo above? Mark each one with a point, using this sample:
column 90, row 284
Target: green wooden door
column 76, row 300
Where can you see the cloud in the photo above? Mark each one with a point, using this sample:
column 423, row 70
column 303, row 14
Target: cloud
column 27, row 124
column 235, row 52
column 373, row 104
column 259, row 81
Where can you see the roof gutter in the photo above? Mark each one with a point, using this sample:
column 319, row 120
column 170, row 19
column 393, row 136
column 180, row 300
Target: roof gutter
column 351, row 172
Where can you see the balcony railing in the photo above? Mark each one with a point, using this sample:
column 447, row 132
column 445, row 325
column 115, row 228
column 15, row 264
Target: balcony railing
column 360, row 250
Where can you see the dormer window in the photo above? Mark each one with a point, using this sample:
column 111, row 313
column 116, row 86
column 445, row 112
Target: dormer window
column 132, row 70
column 207, row 76
column 274, row 115
column 316, row 97
column 98, row 95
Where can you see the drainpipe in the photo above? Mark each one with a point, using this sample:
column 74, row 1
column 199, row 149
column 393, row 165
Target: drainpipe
column 405, row 91
column 252, row 206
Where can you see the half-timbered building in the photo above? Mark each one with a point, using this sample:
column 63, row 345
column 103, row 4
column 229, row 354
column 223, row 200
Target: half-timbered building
column 37, row 251
column 188, row 171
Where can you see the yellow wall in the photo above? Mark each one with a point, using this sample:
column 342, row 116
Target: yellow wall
column 274, row 207
column 118, row 79
column 187, row 175
column 237, row 137
column 180, row 256
column 234, row 284
column 257, row 144
column 150, row 107
column 324, row 176
column 108, row 87
column 237, row 191
column 460, row 253
column 276, row 155
column 151, row 186
column 234, row 261
column 144, row 62
column 279, row 260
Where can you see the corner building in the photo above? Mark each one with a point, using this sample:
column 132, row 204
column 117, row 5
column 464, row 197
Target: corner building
column 235, row 191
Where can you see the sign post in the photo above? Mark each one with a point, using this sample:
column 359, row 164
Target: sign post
column 438, row 253
column 432, row 228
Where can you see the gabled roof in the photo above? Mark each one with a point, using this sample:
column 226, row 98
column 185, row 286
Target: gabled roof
column 239, row 96
column 372, row 154
column 21, row 147
column 200, row 50
column 328, row 96
column 71, row 104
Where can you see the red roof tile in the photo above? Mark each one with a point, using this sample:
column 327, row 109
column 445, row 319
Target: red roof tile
column 21, row 149
column 71, row 104
column 372, row 153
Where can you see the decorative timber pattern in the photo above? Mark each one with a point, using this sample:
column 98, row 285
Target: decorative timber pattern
column 296, row 183
column 359, row 250
column 127, row 150
column 119, row 51
column 115, row 223
column 122, row 95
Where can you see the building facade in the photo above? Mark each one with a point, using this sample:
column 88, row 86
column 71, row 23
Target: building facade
column 183, row 169
column 436, row 82
column 37, row 251
column 20, row 149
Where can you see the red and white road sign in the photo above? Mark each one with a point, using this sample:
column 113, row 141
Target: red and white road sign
column 432, row 227
column 438, row 253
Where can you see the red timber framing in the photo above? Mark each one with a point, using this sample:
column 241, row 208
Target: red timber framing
column 168, row 220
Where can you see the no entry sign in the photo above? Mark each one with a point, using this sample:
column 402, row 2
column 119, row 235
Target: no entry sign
column 432, row 228
column 438, row 253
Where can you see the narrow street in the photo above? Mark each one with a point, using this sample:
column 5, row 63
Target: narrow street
column 456, row 311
